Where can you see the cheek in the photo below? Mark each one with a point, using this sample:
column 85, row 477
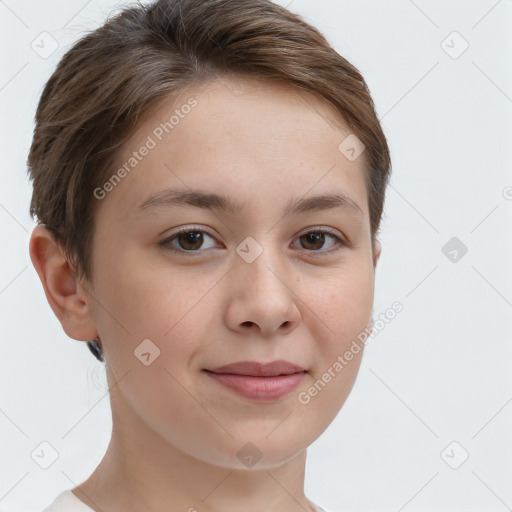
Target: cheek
column 147, row 298
column 342, row 305
column 151, row 301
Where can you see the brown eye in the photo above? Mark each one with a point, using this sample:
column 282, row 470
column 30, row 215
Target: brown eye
column 314, row 241
column 191, row 240
column 188, row 241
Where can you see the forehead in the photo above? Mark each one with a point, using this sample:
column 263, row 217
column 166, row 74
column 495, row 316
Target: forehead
column 245, row 139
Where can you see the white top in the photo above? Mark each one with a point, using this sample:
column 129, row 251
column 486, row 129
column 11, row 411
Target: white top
column 68, row 502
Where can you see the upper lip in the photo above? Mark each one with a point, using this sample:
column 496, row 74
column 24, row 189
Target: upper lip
column 256, row 369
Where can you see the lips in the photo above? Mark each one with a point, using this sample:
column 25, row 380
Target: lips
column 258, row 381
column 257, row 369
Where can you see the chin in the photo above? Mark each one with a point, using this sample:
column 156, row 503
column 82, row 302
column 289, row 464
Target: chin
column 257, row 453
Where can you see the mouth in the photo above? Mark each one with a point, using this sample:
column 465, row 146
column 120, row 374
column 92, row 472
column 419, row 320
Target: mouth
column 259, row 381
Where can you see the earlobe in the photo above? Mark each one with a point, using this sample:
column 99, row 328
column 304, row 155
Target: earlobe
column 60, row 285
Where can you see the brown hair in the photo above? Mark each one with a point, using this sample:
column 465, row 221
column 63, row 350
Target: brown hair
column 114, row 75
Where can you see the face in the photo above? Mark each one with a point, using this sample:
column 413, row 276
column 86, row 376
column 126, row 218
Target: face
column 263, row 273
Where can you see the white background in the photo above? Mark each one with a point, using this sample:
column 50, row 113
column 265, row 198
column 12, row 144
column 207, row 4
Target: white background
column 439, row 372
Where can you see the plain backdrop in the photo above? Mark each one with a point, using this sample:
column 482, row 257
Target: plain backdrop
column 427, row 426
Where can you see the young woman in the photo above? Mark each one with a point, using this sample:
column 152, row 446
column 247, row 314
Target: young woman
column 209, row 178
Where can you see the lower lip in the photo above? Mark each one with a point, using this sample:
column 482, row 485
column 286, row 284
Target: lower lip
column 259, row 388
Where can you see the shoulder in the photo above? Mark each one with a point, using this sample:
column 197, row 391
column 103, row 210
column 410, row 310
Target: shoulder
column 67, row 502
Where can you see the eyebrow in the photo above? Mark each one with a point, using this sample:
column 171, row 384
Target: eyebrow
column 207, row 200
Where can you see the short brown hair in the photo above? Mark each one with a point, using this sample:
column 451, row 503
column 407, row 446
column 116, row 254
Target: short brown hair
column 112, row 76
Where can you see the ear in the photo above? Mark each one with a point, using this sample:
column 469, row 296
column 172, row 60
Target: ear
column 377, row 248
column 66, row 297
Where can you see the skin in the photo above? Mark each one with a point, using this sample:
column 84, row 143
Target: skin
column 176, row 433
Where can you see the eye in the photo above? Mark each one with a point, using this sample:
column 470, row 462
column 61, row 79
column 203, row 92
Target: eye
column 187, row 240
column 190, row 240
column 314, row 241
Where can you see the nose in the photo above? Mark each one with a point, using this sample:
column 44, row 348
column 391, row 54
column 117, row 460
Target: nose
column 262, row 298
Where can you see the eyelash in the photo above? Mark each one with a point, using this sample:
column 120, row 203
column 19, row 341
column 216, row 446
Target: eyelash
column 339, row 243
